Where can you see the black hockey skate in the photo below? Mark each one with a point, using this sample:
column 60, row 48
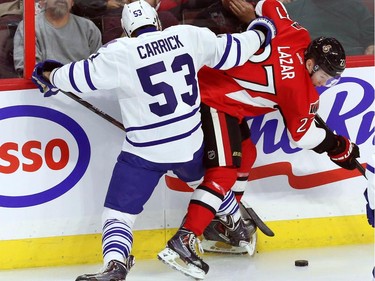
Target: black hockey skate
column 181, row 247
column 228, row 237
column 115, row 271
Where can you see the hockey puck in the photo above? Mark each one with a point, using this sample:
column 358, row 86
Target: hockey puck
column 301, row 263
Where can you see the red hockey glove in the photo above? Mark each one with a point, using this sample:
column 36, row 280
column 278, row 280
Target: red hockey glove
column 344, row 153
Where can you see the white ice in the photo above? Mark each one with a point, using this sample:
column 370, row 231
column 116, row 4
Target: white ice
column 344, row 263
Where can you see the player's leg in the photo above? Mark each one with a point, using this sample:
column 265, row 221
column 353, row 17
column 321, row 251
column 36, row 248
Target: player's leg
column 132, row 183
column 221, row 173
column 227, row 226
column 222, row 156
column 207, row 197
column 192, row 172
column 248, row 151
column 249, row 154
column 205, row 201
column 218, row 228
column 230, row 234
column 180, row 253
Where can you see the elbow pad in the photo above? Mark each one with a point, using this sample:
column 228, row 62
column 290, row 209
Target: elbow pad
column 329, row 142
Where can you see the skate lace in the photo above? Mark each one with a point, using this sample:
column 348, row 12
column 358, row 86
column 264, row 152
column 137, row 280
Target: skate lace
column 195, row 241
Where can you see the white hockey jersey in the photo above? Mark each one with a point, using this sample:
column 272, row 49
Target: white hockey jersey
column 157, row 77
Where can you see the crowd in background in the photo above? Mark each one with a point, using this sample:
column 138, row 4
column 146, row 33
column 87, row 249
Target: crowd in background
column 350, row 21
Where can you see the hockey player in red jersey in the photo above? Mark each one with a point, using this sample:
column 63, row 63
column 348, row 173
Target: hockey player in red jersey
column 283, row 77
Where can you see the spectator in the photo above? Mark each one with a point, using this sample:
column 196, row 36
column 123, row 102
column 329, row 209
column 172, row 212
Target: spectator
column 167, row 18
column 349, row 21
column 106, row 15
column 59, row 35
column 173, row 6
column 10, row 16
column 226, row 16
column 197, row 4
column 8, row 7
column 177, row 7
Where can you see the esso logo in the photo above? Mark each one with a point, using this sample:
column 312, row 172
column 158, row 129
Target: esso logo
column 43, row 154
column 32, row 150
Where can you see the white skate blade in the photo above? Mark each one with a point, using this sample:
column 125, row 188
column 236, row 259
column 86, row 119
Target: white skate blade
column 211, row 246
column 251, row 247
column 172, row 259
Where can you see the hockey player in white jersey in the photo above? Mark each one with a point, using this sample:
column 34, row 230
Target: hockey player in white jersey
column 155, row 74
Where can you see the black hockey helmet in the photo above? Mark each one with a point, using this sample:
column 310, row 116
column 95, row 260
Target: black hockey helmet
column 328, row 54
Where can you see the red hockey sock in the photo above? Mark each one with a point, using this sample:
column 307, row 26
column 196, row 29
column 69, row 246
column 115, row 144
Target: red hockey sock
column 238, row 196
column 198, row 218
column 207, row 198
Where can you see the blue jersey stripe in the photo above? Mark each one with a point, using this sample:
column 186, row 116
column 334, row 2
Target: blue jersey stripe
column 52, row 79
column 71, row 77
column 166, row 140
column 226, row 52
column 370, row 168
column 166, row 122
column 238, row 51
column 87, row 75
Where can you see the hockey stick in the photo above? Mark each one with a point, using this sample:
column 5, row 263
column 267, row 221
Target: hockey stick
column 94, row 109
column 257, row 220
column 325, row 126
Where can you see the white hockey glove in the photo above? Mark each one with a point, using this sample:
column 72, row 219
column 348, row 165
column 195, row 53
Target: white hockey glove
column 41, row 81
column 266, row 26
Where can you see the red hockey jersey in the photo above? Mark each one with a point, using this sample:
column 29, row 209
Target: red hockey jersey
column 274, row 79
